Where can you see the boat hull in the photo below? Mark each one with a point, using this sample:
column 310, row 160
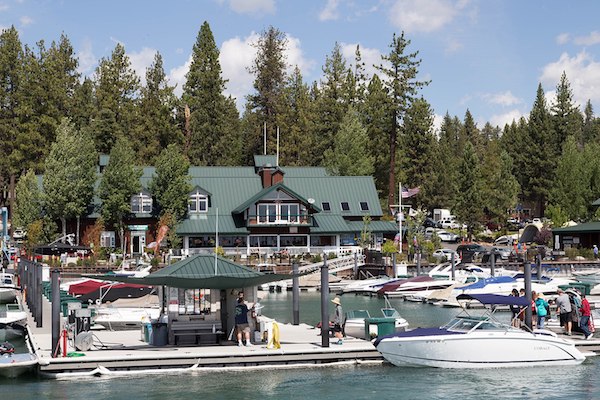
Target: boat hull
column 7, row 295
column 480, row 350
column 12, row 366
column 356, row 328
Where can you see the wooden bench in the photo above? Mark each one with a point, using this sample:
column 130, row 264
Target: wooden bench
column 197, row 329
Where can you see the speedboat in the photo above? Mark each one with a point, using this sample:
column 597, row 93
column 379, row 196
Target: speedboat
column 124, row 318
column 416, row 288
column 368, row 285
column 354, row 324
column 8, row 289
column 479, row 341
column 17, row 358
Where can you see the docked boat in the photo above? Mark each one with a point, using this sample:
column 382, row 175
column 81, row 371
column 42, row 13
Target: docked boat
column 416, row 288
column 354, row 324
column 125, row 318
column 479, row 341
column 8, row 288
column 588, row 276
column 92, row 290
column 17, row 357
column 369, row 285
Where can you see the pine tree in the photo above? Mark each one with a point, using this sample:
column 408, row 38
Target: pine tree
column 417, row 143
column 540, row 164
column 566, row 118
column 468, row 204
column 471, row 133
column 501, row 189
column 70, row 175
column 210, row 111
column 376, row 120
column 158, row 127
column 572, row 183
column 401, row 73
column 268, row 69
column 117, row 90
column 349, row 155
column 170, row 185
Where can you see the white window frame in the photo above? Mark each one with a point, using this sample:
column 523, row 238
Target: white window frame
column 145, row 200
column 278, row 213
column 198, row 199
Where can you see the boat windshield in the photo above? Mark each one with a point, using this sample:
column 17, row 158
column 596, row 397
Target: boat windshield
column 357, row 314
column 390, row 313
column 470, row 323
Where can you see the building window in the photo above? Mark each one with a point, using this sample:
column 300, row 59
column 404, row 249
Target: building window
column 293, row 241
column 279, row 213
column 107, row 239
column 196, row 242
column 345, row 206
column 364, row 206
column 198, row 203
column 141, row 203
column 263, row 241
column 326, row 206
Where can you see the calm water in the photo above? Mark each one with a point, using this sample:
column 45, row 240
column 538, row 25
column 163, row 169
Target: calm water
column 347, row 382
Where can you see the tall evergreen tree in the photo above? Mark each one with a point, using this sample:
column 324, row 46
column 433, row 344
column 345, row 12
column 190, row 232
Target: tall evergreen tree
column 572, row 183
column 417, row 144
column 471, row 133
column 468, row 204
column 401, row 72
column 158, row 127
column 540, row 164
column 349, row 155
column 376, row 112
column 566, row 118
column 332, row 102
column 117, row 93
column 269, row 70
column 170, row 185
column 211, row 122
column 500, row 189
column 120, row 180
column 70, row 175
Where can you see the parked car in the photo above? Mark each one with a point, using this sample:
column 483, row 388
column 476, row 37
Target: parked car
column 470, row 251
column 431, row 223
column 19, row 234
column 448, row 236
column 446, row 255
column 505, row 240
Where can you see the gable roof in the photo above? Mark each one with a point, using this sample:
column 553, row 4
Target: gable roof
column 593, row 226
column 279, row 186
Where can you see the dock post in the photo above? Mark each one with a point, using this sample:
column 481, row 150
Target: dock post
column 418, row 254
column 295, row 295
column 538, row 263
column 493, row 262
column 394, row 266
column 453, row 261
column 324, row 303
column 527, row 272
column 38, row 295
column 55, row 312
column 355, row 265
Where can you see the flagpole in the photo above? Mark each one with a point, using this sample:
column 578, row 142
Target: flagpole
column 400, row 214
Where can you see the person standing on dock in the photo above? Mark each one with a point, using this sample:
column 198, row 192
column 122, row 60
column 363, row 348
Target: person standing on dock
column 584, row 320
column 338, row 320
column 241, row 322
column 563, row 307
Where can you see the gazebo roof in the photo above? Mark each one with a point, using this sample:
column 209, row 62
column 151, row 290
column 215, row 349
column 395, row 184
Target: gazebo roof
column 203, row 271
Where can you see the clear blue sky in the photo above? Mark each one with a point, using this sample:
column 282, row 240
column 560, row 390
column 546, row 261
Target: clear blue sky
column 487, row 55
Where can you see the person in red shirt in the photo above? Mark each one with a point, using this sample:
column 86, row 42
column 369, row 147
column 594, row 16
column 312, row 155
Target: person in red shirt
column 584, row 320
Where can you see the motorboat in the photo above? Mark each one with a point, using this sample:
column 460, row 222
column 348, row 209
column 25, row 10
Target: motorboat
column 13, row 313
column 418, row 287
column 369, row 285
column 93, row 290
column 479, row 341
column 354, row 324
column 17, row 357
column 588, row 276
column 125, row 318
column 8, row 288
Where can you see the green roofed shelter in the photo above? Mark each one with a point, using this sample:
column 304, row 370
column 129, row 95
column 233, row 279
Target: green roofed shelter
column 202, row 271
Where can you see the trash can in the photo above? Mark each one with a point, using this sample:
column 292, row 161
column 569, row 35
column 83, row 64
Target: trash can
column 160, row 334
column 147, row 332
column 378, row 327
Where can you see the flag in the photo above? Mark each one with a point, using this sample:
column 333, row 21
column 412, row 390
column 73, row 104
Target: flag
column 407, row 192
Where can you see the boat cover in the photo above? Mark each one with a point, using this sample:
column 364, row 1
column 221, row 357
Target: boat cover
column 419, row 332
column 496, row 299
column 480, row 284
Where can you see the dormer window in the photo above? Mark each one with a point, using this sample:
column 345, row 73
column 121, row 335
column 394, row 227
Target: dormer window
column 364, row 206
column 326, row 206
column 141, row 203
column 198, row 202
column 345, row 206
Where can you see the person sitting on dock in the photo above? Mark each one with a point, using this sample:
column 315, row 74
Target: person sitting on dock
column 241, row 322
column 338, row 320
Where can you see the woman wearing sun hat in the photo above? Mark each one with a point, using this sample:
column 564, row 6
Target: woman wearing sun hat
column 338, row 320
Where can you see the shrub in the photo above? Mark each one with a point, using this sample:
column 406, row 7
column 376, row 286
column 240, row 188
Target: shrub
column 571, row 253
column 316, row 258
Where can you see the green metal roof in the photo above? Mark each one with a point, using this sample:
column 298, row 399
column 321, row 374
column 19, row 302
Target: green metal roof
column 203, row 271
column 596, row 202
column 581, row 228
column 279, row 186
column 207, row 224
column 329, row 223
column 374, row 226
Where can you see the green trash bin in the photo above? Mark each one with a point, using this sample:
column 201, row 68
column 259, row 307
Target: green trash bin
column 378, row 327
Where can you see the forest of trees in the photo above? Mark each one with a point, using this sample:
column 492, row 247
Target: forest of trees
column 348, row 122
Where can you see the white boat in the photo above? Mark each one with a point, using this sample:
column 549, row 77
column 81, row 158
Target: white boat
column 588, row 276
column 416, row 288
column 17, row 360
column 12, row 313
column 368, row 285
column 354, row 324
column 479, row 342
column 8, row 289
column 124, row 318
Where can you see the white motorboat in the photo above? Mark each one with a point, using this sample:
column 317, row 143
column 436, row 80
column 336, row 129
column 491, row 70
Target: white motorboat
column 588, row 276
column 124, row 318
column 416, row 288
column 17, row 359
column 12, row 313
column 8, row 289
column 479, row 342
column 354, row 324
column 369, row 285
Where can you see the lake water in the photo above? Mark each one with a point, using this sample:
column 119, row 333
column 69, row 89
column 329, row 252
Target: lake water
column 343, row 382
